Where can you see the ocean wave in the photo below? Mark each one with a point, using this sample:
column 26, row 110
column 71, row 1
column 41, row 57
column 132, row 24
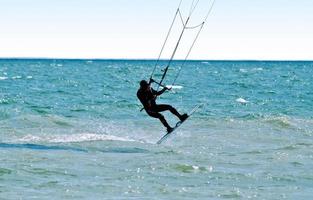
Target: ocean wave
column 274, row 122
column 43, row 147
column 39, row 147
column 282, row 121
column 73, row 138
column 286, row 122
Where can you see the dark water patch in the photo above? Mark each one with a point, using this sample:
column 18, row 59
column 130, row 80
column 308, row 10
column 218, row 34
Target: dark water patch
column 295, row 146
column 265, row 92
column 189, row 168
column 39, row 147
column 41, row 107
column 4, row 171
column 62, row 92
column 254, row 152
column 231, row 195
column 239, row 164
column 69, row 116
column 61, row 123
column 78, row 110
column 4, row 115
column 283, row 179
column 296, row 164
column 40, row 111
column 44, row 110
column 169, row 152
column 124, row 150
column 289, row 147
column 305, row 144
column 234, row 176
column 48, row 184
column 46, row 172
column 242, row 85
column 227, row 154
column 99, row 102
column 250, row 116
column 125, row 104
column 307, row 177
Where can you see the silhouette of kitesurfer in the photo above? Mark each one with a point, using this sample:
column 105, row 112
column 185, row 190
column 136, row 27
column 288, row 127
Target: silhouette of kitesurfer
column 147, row 97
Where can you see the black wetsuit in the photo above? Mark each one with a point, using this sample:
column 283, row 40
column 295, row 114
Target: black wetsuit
column 147, row 98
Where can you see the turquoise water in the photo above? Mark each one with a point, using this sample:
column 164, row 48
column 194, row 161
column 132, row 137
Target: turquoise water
column 71, row 129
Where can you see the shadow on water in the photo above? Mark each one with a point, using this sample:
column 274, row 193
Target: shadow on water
column 39, row 147
column 64, row 148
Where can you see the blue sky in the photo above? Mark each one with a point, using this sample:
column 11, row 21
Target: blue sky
column 237, row 29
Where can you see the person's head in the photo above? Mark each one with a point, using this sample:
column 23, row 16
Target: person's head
column 144, row 84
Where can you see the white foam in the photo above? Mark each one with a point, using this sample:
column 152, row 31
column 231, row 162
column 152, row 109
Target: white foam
column 16, row 77
column 3, row 77
column 82, row 137
column 241, row 100
column 243, row 70
column 195, row 167
column 258, row 69
column 175, row 87
column 29, row 77
column 250, row 70
column 3, row 101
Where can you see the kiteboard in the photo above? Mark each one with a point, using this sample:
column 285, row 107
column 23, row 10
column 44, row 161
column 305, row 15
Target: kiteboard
column 178, row 124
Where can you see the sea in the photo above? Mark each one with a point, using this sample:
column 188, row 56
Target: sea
column 73, row 129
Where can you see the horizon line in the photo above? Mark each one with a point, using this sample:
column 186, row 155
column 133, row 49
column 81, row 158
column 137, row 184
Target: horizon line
column 153, row 59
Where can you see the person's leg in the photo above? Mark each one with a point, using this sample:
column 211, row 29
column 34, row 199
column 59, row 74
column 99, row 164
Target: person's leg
column 161, row 118
column 164, row 107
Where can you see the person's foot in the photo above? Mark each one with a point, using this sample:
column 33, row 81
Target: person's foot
column 183, row 117
column 169, row 129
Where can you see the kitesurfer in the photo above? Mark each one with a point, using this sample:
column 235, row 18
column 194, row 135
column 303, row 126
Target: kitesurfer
column 147, row 97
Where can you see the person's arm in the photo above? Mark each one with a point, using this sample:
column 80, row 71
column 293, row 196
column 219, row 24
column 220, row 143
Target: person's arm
column 160, row 92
